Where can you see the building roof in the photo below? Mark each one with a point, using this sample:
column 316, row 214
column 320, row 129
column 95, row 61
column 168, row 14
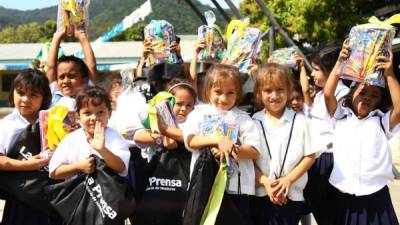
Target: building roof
column 106, row 53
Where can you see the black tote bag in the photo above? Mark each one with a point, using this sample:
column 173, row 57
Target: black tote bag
column 166, row 192
column 27, row 186
column 102, row 197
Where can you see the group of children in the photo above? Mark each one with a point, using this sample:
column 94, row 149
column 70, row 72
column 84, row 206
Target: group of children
column 325, row 153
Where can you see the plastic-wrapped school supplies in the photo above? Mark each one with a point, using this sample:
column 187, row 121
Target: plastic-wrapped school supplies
column 213, row 38
column 164, row 109
column 367, row 42
column 244, row 44
column 285, row 56
column 73, row 13
column 56, row 123
column 161, row 33
column 214, row 125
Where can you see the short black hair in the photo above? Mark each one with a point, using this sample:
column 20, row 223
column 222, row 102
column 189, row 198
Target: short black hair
column 34, row 80
column 78, row 61
column 92, row 95
column 326, row 58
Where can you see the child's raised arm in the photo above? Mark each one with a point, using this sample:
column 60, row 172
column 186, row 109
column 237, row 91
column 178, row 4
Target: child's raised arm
column 386, row 64
column 81, row 36
column 333, row 79
column 53, row 55
column 305, row 85
column 193, row 72
column 145, row 54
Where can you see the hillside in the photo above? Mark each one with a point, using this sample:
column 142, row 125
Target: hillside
column 104, row 14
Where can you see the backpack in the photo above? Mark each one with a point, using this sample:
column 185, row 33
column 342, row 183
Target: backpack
column 201, row 183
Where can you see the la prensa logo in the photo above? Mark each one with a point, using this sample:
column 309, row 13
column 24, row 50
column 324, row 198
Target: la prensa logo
column 156, row 183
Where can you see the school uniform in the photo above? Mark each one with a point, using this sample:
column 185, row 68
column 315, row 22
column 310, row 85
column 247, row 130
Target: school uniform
column 75, row 147
column 318, row 189
column 241, row 183
column 16, row 212
column 362, row 168
column 273, row 165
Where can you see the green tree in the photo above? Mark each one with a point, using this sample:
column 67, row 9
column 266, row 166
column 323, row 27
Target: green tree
column 7, row 35
column 47, row 30
column 315, row 21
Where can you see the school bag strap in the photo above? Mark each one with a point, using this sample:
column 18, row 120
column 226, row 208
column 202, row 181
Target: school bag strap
column 287, row 146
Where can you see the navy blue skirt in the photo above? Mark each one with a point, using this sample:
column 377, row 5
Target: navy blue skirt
column 18, row 213
column 318, row 191
column 288, row 214
column 258, row 207
column 373, row 209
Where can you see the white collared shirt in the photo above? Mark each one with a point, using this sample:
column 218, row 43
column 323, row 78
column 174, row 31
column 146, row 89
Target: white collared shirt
column 75, row 147
column 10, row 127
column 301, row 144
column 247, row 135
column 363, row 161
column 320, row 119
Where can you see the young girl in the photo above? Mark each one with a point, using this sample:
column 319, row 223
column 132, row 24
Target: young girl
column 287, row 151
column 222, row 92
column 172, row 163
column 297, row 98
column 363, row 163
column 317, row 190
column 69, row 74
column 72, row 154
column 29, row 94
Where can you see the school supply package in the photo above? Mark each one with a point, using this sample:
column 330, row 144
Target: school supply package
column 213, row 38
column 164, row 110
column 161, row 33
column 244, row 44
column 126, row 121
column 73, row 13
column 214, row 125
column 285, row 56
column 56, row 123
column 367, row 42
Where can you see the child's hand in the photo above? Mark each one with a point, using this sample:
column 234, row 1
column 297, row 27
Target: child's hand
column 86, row 165
column 200, row 45
column 386, row 64
column 299, row 60
column 98, row 140
column 175, row 47
column 169, row 143
column 345, row 52
column 146, row 48
column 36, row 162
column 216, row 152
column 60, row 35
column 269, row 185
column 226, row 147
column 235, row 152
column 80, row 35
column 282, row 187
